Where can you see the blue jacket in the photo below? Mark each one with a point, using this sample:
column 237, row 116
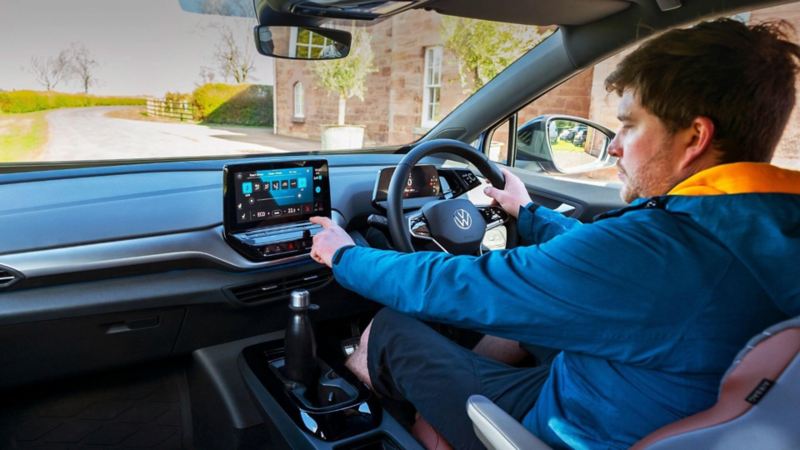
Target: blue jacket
column 649, row 303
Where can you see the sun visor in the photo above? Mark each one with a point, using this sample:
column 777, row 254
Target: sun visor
column 532, row 12
column 271, row 10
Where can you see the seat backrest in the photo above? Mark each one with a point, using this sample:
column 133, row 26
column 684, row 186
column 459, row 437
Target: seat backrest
column 758, row 404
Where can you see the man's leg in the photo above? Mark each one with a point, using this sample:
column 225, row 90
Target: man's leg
column 407, row 360
column 357, row 361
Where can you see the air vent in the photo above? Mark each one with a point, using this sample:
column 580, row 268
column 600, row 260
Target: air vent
column 281, row 287
column 8, row 277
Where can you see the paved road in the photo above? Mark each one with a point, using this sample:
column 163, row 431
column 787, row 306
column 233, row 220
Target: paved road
column 88, row 134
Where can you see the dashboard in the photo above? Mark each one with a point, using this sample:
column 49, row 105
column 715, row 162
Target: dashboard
column 79, row 225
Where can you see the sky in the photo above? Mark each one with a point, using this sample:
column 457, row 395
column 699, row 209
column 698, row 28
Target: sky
column 143, row 47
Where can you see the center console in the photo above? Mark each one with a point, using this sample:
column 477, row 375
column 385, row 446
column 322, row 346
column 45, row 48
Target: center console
column 275, row 391
column 267, row 206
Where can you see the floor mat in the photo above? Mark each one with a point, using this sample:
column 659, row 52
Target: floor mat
column 146, row 407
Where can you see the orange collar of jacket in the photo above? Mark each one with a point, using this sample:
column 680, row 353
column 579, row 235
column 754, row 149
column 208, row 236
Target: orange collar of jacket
column 740, row 178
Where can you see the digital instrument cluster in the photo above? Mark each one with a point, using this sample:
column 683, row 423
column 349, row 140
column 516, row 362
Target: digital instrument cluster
column 422, row 182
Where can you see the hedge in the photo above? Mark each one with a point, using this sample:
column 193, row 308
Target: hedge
column 30, row 101
column 243, row 104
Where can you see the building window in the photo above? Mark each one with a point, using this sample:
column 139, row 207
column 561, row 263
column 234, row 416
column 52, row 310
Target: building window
column 432, row 86
column 305, row 44
column 299, row 112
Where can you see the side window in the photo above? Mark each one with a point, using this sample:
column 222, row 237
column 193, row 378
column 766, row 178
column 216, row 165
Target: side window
column 584, row 96
column 499, row 142
column 540, row 144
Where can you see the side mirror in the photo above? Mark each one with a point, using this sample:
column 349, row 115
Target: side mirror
column 564, row 144
column 310, row 43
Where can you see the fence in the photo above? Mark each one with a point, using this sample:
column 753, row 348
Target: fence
column 182, row 110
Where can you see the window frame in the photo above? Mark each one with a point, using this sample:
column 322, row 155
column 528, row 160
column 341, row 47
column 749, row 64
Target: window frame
column 298, row 101
column 433, row 58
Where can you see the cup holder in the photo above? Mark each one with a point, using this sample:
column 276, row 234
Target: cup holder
column 337, row 407
column 331, row 391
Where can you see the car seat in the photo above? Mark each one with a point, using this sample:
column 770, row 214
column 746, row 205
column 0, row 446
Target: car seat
column 757, row 406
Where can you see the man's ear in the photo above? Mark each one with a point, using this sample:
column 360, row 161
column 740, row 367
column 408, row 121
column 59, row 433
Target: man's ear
column 697, row 139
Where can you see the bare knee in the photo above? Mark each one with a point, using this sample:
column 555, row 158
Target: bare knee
column 500, row 349
column 357, row 361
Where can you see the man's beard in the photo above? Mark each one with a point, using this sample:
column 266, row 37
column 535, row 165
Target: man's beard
column 653, row 178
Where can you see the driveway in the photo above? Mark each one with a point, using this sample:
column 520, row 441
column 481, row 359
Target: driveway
column 88, row 134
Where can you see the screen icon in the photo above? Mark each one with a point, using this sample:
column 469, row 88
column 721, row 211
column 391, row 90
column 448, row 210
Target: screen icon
column 302, row 182
column 285, row 184
column 247, row 188
column 293, row 183
column 276, row 185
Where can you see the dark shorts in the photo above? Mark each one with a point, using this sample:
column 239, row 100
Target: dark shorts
column 409, row 361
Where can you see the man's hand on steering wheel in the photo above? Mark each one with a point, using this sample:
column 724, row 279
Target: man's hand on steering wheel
column 513, row 196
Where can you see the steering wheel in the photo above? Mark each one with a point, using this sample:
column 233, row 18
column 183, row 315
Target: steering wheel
column 455, row 225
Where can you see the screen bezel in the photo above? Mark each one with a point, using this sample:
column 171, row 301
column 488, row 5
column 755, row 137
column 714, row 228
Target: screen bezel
column 229, row 193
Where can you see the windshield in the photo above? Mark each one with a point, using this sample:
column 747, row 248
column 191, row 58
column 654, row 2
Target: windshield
column 100, row 80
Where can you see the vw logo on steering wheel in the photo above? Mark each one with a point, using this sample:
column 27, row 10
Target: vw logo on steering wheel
column 462, row 219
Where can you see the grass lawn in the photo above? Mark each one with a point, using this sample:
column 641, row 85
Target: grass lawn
column 566, row 146
column 22, row 136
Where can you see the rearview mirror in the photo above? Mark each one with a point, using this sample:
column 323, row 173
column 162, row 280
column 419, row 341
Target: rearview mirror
column 310, row 43
column 564, row 144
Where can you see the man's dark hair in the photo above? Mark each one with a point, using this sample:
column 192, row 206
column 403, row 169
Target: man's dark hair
column 741, row 77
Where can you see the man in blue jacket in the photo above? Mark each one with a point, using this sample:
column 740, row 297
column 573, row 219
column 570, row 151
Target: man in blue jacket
column 648, row 304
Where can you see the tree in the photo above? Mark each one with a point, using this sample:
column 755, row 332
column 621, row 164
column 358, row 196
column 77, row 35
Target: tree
column 240, row 8
column 485, row 48
column 82, row 65
column 234, row 51
column 206, row 75
column 51, row 71
column 234, row 59
column 347, row 76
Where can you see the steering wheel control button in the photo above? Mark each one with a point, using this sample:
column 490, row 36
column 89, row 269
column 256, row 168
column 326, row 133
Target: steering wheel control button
column 419, row 228
column 494, row 216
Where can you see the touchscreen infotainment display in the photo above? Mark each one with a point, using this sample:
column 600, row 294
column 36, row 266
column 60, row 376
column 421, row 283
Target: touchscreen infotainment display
column 259, row 195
